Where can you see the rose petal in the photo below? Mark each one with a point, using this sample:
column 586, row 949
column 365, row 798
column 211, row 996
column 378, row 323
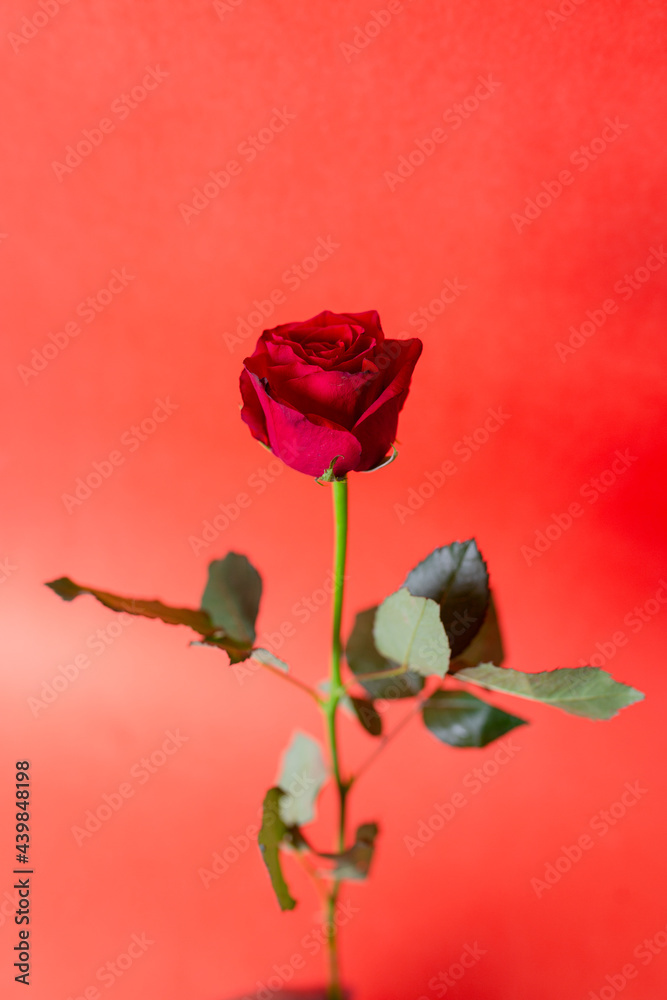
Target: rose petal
column 259, row 358
column 376, row 429
column 370, row 321
column 252, row 413
column 281, row 362
column 306, row 443
column 336, row 396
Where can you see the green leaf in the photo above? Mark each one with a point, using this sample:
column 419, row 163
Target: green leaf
column 302, row 775
column 269, row 838
column 363, row 658
column 585, row 691
column 486, row 647
column 408, row 630
column 455, row 577
column 462, row 720
column 354, row 863
column 198, row 620
column 368, row 715
column 232, row 597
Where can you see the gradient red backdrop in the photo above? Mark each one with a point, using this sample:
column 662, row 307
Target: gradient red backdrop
column 513, row 150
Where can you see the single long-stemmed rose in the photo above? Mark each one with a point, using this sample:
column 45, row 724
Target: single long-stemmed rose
column 324, row 395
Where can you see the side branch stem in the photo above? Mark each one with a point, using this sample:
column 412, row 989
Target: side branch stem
column 291, row 680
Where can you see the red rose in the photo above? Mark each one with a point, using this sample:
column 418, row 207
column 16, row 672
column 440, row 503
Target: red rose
column 329, row 386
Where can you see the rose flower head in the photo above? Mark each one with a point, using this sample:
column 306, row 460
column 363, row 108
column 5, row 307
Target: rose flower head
column 329, row 386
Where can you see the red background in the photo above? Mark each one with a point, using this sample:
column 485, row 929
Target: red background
column 323, row 176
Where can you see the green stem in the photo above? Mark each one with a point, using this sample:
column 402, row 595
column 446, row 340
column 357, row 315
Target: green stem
column 334, row 991
column 340, row 556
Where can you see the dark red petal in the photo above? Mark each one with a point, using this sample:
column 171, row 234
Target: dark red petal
column 306, row 443
column 336, row 396
column 252, row 412
column 376, row 429
column 259, row 359
column 398, row 372
column 370, row 321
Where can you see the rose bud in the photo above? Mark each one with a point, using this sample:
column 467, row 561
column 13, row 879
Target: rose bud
column 329, row 386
